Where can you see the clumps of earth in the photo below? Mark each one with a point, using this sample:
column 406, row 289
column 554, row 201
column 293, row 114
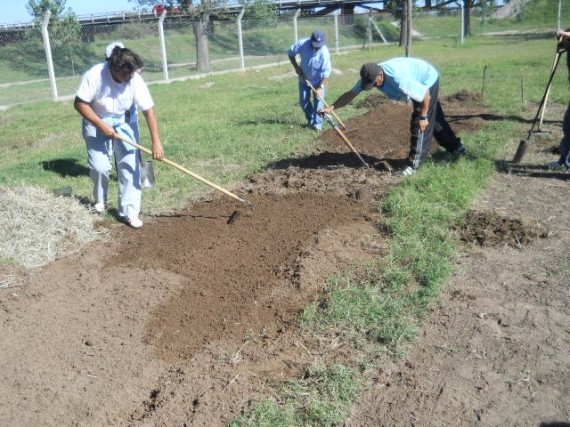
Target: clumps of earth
column 465, row 96
column 492, row 229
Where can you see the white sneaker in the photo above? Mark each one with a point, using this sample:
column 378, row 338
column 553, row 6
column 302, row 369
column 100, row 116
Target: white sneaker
column 135, row 222
column 99, row 207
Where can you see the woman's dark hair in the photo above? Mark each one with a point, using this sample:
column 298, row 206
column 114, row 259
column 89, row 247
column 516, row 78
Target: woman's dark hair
column 123, row 59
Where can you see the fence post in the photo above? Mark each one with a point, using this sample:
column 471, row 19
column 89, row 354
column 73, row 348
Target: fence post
column 462, row 23
column 47, row 48
column 163, row 44
column 240, row 39
column 368, row 37
column 297, row 13
column 337, row 46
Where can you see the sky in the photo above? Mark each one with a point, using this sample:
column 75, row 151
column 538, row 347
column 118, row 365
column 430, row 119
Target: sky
column 17, row 13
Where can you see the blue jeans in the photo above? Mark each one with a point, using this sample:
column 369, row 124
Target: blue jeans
column 310, row 105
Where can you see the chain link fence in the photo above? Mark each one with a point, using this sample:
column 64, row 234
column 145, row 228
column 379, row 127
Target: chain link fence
column 46, row 61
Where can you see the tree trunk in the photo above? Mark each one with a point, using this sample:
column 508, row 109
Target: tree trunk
column 403, row 28
column 200, row 28
column 466, row 21
column 409, row 27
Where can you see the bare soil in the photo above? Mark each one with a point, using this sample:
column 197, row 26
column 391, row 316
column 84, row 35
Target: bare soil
column 187, row 321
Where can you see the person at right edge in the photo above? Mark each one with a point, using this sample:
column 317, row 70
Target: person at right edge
column 564, row 160
column 402, row 79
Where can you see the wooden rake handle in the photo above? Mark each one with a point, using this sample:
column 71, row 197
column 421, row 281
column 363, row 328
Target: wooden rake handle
column 345, row 139
column 181, row 168
column 326, row 105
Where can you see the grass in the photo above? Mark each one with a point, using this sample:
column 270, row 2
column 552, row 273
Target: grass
column 227, row 126
column 325, row 393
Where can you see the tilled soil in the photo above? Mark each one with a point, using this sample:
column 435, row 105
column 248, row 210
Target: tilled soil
column 188, row 320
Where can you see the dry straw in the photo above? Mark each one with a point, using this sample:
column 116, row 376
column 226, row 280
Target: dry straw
column 37, row 227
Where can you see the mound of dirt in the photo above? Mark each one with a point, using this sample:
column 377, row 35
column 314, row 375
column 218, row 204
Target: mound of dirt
column 464, row 96
column 492, row 229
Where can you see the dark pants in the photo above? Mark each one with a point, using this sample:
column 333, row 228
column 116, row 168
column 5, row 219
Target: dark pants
column 420, row 142
column 565, row 142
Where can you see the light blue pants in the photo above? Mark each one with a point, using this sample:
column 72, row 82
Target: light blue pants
column 100, row 151
column 310, row 105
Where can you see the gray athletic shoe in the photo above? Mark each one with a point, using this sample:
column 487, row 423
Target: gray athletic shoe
column 406, row 172
column 556, row 165
column 461, row 150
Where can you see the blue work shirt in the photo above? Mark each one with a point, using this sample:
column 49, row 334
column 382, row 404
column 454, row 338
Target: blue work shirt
column 405, row 78
column 315, row 63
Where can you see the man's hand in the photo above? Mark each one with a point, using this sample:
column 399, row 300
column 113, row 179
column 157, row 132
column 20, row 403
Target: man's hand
column 296, row 67
column 326, row 110
column 563, row 40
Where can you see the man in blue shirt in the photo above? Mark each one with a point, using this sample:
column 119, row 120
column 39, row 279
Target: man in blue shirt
column 415, row 79
column 315, row 67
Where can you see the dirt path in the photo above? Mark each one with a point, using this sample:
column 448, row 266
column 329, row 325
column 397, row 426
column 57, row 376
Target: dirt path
column 495, row 350
column 184, row 321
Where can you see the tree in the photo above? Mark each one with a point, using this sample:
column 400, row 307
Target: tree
column 409, row 28
column 200, row 25
column 65, row 29
column 38, row 8
column 467, row 5
column 403, row 10
column 260, row 13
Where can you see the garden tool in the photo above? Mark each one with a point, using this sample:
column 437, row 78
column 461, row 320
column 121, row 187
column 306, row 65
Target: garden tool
column 183, row 169
column 560, row 48
column 336, row 127
column 325, row 103
column 525, row 143
column 147, row 173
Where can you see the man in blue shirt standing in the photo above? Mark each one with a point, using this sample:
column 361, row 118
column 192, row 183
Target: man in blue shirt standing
column 315, row 67
column 415, row 79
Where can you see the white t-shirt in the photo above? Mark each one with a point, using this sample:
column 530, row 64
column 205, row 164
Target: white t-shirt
column 109, row 98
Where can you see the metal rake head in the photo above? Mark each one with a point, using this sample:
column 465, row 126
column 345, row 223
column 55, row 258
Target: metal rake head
column 329, row 119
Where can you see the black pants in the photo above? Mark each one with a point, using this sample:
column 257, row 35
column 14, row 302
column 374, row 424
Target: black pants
column 420, row 142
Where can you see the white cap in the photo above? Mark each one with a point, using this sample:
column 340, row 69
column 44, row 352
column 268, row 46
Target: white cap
column 109, row 49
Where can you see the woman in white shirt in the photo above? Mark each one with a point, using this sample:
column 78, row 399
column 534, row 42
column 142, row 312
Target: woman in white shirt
column 106, row 93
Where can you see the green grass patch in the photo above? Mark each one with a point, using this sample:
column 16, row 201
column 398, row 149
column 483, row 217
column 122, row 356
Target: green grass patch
column 320, row 398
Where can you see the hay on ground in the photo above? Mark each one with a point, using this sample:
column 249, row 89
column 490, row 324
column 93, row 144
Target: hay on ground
column 37, row 227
